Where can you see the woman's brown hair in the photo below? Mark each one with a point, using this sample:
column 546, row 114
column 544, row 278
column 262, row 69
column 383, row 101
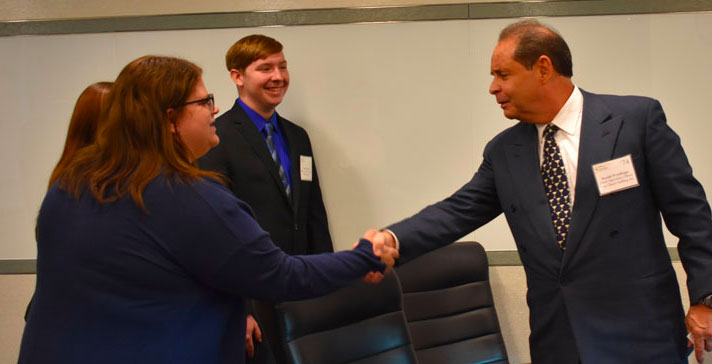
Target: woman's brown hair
column 82, row 125
column 136, row 140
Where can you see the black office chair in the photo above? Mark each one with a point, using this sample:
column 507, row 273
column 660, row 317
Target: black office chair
column 449, row 306
column 362, row 323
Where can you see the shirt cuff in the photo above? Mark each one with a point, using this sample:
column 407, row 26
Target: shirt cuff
column 394, row 238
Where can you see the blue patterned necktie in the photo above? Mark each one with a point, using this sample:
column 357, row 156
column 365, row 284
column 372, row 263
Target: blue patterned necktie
column 556, row 185
column 269, row 129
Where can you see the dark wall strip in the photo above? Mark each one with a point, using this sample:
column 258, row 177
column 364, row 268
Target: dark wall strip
column 352, row 15
column 584, row 7
column 496, row 258
column 19, row 266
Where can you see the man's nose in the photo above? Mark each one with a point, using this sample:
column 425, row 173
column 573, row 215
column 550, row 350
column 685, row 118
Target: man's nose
column 494, row 87
column 277, row 74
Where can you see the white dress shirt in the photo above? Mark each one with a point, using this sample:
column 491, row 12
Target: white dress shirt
column 568, row 138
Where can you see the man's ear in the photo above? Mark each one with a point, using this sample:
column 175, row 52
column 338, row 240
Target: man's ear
column 171, row 114
column 236, row 77
column 544, row 68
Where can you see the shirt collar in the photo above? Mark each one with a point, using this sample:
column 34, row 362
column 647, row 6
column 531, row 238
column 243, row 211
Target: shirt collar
column 258, row 120
column 569, row 116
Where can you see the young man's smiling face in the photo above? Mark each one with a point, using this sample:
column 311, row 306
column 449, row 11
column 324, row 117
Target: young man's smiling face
column 263, row 83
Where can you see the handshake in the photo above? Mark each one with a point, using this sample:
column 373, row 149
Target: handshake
column 384, row 247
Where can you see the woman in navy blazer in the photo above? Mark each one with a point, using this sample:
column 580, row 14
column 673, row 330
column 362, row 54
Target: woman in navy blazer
column 143, row 257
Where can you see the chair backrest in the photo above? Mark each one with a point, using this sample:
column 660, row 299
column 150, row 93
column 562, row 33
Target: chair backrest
column 362, row 323
column 449, row 306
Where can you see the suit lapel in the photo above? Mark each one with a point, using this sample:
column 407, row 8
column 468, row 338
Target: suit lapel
column 254, row 138
column 599, row 131
column 523, row 161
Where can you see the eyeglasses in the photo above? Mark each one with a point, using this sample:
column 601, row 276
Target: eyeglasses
column 208, row 101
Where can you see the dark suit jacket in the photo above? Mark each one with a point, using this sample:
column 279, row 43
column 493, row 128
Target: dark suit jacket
column 299, row 226
column 612, row 296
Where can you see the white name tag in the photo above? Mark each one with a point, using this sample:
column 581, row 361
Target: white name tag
column 305, row 167
column 615, row 175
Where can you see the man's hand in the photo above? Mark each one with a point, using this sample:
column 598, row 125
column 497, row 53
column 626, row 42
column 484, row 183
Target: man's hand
column 383, row 250
column 699, row 324
column 252, row 331
column 383, row 238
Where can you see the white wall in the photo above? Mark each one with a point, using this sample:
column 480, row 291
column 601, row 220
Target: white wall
column 398, row 113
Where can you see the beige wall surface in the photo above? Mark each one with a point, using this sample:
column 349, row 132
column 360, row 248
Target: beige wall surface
column 16, row 292
column 70, row 9
column 508, row 285
column 398, row 113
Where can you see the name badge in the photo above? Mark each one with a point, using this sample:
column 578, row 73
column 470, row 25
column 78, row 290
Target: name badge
column 305, row 167
column 615, row 175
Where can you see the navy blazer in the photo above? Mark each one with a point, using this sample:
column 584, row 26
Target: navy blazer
column 612, row 295
column 299, row 226
column 118, row 285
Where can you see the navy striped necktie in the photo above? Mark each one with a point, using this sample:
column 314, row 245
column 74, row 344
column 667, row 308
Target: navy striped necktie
column 269, row 130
